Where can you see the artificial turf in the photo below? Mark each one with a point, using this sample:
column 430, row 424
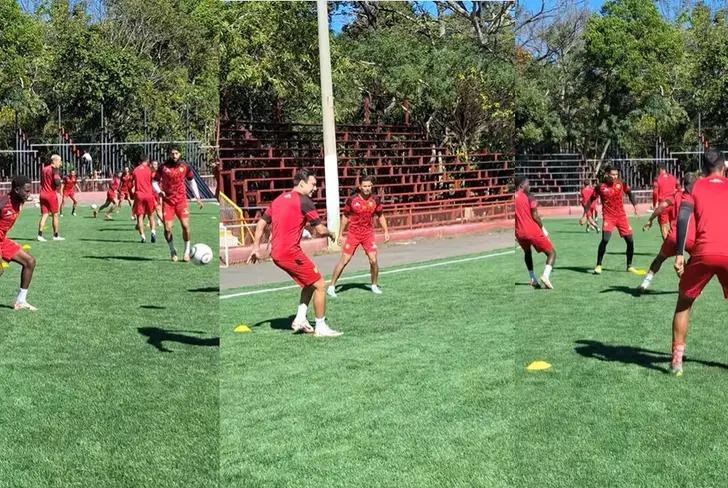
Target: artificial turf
column 113, row 382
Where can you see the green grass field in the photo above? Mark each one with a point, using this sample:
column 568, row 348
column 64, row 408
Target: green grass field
column 608, row 413
column 90, row 395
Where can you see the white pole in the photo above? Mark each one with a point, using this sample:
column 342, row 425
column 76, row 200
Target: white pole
column 327, row 103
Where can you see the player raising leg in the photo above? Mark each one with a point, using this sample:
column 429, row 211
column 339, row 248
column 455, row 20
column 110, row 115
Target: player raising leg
column 611, row 193
column 287, row 216
column 358, row 212
column 10, row 206
column 587, row 190
column 710, row 251
column 50, row 184
column 530, row 233
column 70, row 184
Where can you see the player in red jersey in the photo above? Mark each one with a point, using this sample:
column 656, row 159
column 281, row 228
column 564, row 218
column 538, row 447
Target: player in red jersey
column 112, row 191
column 10, row 206
column 709, row 255
column 125, row 191
column 158, row 207
column 666, row 185
column 671, row 207
column 70, row 183
column 587, row 190
column 287, row 216
column 531, row 233
column 169, row 183
column 50, row 184
column 145, row 201
column 359, row 210
column 611, row 193
column 655, row 199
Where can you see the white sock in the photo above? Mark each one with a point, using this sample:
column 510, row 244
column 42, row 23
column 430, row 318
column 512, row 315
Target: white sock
column 187, row 247
column 170, row 243
column 301, row 314
column 143, row 236
column 22, row 295
column 532, row 275
column 321, row 322
column 547, row 270
column 649, row 276
column 154, row 232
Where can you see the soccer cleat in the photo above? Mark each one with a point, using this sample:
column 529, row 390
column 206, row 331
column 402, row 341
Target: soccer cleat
column 535, row 284
column 633, row 270
column 186, row 258
column 73, row 214
column 24, row 306
column 331, row 291
column 676, row 369
column 547, row 283
column 154, row 238
column 302, row 327
column 376, row 290
column 598, row 269
column 59, row 238
column 174, row 256
column 325, row 331
column 142, row 240
column 41, row 239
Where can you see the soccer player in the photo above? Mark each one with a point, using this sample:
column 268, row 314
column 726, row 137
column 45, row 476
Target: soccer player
column 158, row 206
column 50, row 184
column 145, row 201
column 10, row 206
column 666, row 186
column 530, row 233
column 125, row 190
column 611, row 193
column 669, row 245
column 288, row 215
column 112, row 191
column 358, row 212
column 70, row 183
column 710, row 251
column 169, row 183
column 587, row 190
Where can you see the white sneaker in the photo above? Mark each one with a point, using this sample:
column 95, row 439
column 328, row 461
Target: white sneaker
column 326, row 331
column 547, row 283
column 331, row 291
column 41, row 239
column 24, row 306
column 303, row 327
column 376, row 290
column 59, row 238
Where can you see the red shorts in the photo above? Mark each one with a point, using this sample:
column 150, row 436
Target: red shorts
column 70, row 195
column 171, row 210
column 663, row 219
column 700, row 270
column 620, row 223
column 144, row 205
column 299, row 267
column 49, row 203
column 368, row 243
column 9, row 249
column 110, row 197
column 540, row 243
column 670, row 244
column 123, row 195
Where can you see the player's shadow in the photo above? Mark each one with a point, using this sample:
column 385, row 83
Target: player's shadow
column 207, row 289
column 114, row 229
column 645, row 358
column 107, row 240
column 123, row 258
column 577, row 269
column 281, row 323
column 152, row 307
column 616, row 253
column 352, row 286
column 157, row 337
column 635, row 292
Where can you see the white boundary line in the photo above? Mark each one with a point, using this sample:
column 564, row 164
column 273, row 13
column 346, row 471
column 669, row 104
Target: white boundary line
column 393, row 271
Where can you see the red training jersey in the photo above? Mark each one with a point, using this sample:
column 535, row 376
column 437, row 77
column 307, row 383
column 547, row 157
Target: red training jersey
column 49, row 180
column 526, row 226
column 586, row 194
column 674, row 209
column 8, row 214
column 359, row 211
column 710, row 197
column 666, row 186
column 288, row 215
column 142, row 180
column 127, row 183
column 115, row 183
column 171, row 178
column 612, row 197
column 69, row 185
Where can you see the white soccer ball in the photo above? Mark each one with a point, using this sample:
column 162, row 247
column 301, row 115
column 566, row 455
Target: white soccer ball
column 201, row 254
column 94, row 206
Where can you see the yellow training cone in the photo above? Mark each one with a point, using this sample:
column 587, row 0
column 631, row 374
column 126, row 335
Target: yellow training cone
column 538, row 366
column 5, row 265
column 242, row 328
column 26, row 247
column 639, row 271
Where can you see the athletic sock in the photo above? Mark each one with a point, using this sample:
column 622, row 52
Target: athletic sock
column 320, row 322
column 170, row 243
column 547, row 270
column 22, row 295
column 301, row 314
column 187, row 247
column 532, row 275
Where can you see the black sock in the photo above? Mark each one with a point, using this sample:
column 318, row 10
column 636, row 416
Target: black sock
column 40, row 233
column 630, row 250
column 603, row 247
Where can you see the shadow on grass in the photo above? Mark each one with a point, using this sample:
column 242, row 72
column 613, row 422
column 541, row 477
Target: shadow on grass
column 152, row 307
column 156, row 337
column 108, row 240
column 123, row 258
column 636, row 254
column 352, row 286
column 281, row 323
column 6, row 306
column 207, row 289
column 635, row 292
column 638, row 356
column 577, row 269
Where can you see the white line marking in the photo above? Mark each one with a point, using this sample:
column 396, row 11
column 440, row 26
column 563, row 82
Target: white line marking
column 393, row 271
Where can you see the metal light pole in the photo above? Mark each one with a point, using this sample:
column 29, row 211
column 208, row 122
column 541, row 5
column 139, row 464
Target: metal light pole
column 327, row 103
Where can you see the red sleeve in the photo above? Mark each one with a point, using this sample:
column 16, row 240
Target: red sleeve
column 532, row 203
column 347, row 206
column 189, row 174
column 626, row 187
column 268, row 215
column 3, row 201
column 688, row 198
column 308, row 209
column 380, row 209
